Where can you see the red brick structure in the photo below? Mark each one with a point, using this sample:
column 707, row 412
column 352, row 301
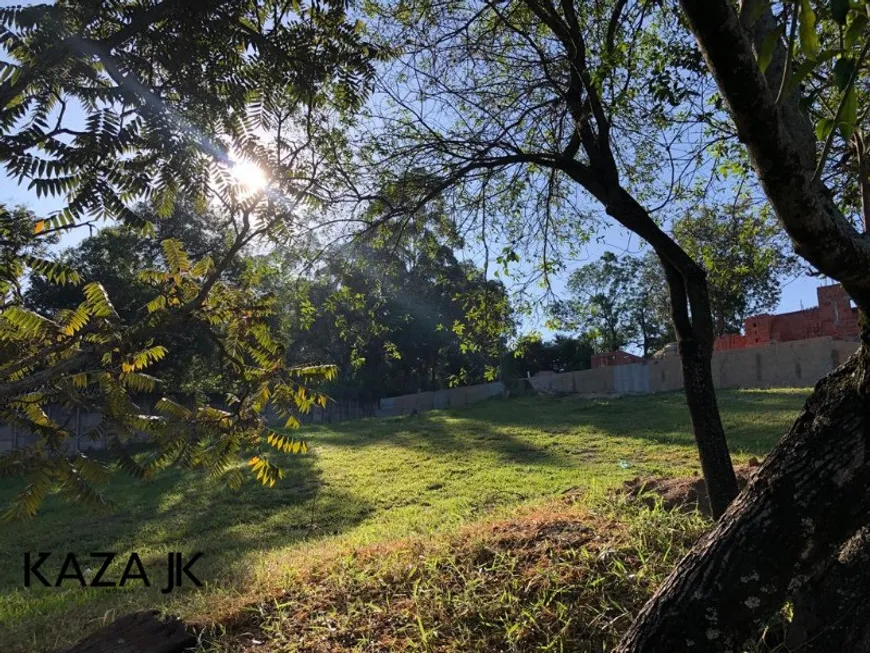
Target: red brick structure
column 609, row 358
column 833, row 317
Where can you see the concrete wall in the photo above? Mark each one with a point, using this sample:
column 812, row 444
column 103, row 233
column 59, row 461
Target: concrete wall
column 785, row 364
column 665, row 375
column 600, row 380
column 81, row 423
column 788, row 364
column 77, row 422
column 631, row 379
column 440, row 399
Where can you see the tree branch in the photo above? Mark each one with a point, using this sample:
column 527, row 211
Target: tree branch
column 820, row 232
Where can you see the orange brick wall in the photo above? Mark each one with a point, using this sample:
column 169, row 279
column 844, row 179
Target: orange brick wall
column 834, row 317
column 610, row 358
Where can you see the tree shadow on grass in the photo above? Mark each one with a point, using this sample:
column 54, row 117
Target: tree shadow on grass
column 178, row 511
column 183, row 511
column 440, row 432
column 754, row 421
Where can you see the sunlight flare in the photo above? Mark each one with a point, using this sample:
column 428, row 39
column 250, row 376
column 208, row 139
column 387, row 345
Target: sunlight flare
column 249, row 176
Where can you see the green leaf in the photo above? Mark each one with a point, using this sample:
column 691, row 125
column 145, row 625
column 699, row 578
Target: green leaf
column 175, row 256
column 756, row 9
column 849, row 115
column 156, row 304
column 855, row 30
column 843, row 72
column 807, row 67
column 768, row 46
column 840, row 10
column 823, row 128
column 142, row 359
column 807, row 29
column 97, row 300
column 26, row 504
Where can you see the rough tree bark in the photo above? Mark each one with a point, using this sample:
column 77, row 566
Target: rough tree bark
column 808, row 497
column 775, row 136
column 813, row 492
column 832, row 610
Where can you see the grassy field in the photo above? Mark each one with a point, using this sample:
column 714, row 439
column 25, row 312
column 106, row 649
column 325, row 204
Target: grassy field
column 364, row 482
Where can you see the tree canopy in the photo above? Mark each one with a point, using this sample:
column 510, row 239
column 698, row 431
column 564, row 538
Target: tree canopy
column 106, row 104
column 397, row 319
column 619, row 302
column 745, row 256
column 533, row 354
column 622, row 301
column 114, row 257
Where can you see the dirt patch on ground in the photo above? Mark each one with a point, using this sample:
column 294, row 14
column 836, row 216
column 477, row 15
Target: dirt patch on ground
column 686, row 493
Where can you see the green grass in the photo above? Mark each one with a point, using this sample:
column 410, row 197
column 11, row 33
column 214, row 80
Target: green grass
column 553, row 576
column 363, row 482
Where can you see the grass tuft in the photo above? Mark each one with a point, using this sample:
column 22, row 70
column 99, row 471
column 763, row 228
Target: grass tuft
column 554, row 577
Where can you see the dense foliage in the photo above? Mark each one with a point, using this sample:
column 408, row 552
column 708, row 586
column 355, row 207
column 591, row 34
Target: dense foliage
column 395, row 317
column 622, row 301
column 619, row 302
column 533, row 354
column 114, row 257
column 104, row 104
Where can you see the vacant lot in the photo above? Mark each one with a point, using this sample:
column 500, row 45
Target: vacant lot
column 363, row 483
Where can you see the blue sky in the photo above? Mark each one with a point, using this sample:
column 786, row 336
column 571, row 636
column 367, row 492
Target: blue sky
column 796, row 294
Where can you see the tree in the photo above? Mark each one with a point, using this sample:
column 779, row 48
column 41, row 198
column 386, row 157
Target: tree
column 114, row 257
column 653, row 311
column 541, row 101
column 20, row 247
column 398, row 317
column 744, row 255
column 788, row 529
column 741, row 250
column 618, row 302
column 561, row 354
column 107, row 103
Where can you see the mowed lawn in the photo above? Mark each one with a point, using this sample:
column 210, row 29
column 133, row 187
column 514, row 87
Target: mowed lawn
column 362, row 482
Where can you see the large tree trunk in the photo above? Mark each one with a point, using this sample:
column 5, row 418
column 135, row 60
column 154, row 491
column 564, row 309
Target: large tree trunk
column 779, row 139
column 832, row 610
column 808, row 498
column 811, row 494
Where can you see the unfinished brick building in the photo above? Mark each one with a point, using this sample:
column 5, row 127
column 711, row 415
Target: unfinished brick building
column 834, row 317
column 610, row 358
